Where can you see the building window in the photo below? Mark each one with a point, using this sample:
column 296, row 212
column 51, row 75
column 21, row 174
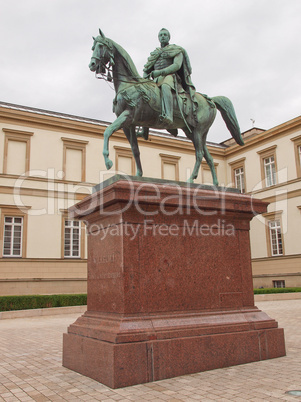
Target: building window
column 13, row 230
column 268, row 166
column 124, row 161
column 12, row 237
column 274, row 233
column 170, row 167
column 238, row 174
column 72, row 239
column 239, row 178
column 74, row 159
column 16, row 159
column 270, row 171
column 279, row 284
column 206, row 173
column 297, row 146
column 275, row 238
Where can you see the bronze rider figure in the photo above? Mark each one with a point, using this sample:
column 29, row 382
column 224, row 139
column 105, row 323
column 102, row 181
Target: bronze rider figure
column 162, row 65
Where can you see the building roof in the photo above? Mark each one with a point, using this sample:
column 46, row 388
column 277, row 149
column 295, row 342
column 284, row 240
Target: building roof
column 252, row 132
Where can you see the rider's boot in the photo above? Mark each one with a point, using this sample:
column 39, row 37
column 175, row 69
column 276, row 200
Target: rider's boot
column 167, row 105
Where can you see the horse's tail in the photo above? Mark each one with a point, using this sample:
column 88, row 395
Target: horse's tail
column 226, row 108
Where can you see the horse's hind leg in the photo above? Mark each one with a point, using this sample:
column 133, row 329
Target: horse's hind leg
column 210, row 162
column 199, row 153
column 132, row 138
column 116, row 125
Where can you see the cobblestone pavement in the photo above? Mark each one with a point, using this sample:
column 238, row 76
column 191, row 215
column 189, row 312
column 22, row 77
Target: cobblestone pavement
column 31, row 369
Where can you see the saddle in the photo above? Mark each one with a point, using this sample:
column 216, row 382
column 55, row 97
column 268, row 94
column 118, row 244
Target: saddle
column 183, row 106
column 182, row 103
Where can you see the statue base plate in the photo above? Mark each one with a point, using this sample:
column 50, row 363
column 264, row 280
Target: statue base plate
column 154, row 348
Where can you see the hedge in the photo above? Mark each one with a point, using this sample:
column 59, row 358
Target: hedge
column 276, row 290
column 8, row 303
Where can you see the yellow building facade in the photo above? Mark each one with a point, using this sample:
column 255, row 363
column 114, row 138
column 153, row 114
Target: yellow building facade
column 49, row 161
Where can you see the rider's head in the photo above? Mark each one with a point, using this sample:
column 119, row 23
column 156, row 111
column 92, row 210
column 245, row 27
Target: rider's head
column 164, row 36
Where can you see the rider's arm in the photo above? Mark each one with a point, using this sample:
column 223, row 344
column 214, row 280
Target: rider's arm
column 173, row 68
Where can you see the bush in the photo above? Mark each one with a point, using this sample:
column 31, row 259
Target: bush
column 276, row 290
column 8, row 303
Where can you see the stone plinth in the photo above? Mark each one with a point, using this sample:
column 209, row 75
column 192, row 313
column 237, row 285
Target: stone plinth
column 169, row 284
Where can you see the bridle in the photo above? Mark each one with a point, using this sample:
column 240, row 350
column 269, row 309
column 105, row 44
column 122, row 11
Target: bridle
column 107, row 71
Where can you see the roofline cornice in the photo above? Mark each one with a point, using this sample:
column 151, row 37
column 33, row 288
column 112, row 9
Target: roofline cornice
column 265, row 136
column 15, row 114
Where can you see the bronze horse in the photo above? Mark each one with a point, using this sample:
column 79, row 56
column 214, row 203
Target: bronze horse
column 138, row 104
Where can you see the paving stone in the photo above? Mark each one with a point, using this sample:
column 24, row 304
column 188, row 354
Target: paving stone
column 31, row 367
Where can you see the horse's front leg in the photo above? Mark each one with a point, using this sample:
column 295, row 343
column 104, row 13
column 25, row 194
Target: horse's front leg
column 116, row 125
column 132, row 138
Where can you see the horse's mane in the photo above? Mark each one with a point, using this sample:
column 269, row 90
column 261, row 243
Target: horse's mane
column 127, row 61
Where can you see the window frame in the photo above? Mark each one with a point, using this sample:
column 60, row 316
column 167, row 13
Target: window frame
column 170, row 160
column 297, row 148
column 18, row 212
column 17, row 136
column 14, row 235
column 275, row 230
column 269, row 171
column 238, row 164
column 273, row 217
column 82, row 241
column 126, row 153
column 276, row 281
column 265, row 154
column 77, row 145
column 73, row 226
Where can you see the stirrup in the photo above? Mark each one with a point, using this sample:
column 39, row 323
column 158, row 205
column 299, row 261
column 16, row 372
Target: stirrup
column 166, row 120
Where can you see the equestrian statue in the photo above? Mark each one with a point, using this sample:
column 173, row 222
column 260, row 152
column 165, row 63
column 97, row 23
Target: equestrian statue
column 164, row 98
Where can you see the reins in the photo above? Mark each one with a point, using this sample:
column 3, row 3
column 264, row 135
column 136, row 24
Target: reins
column 109, row 78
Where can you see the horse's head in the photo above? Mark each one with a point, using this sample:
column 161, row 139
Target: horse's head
column 102, row 56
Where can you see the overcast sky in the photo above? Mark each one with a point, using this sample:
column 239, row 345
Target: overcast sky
column 247, row 50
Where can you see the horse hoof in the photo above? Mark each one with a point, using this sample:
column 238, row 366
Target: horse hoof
column 190, row 180
column 109, row 164
column 138, row 174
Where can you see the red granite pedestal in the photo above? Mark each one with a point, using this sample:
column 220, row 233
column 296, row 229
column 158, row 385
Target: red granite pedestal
column 169, row 285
